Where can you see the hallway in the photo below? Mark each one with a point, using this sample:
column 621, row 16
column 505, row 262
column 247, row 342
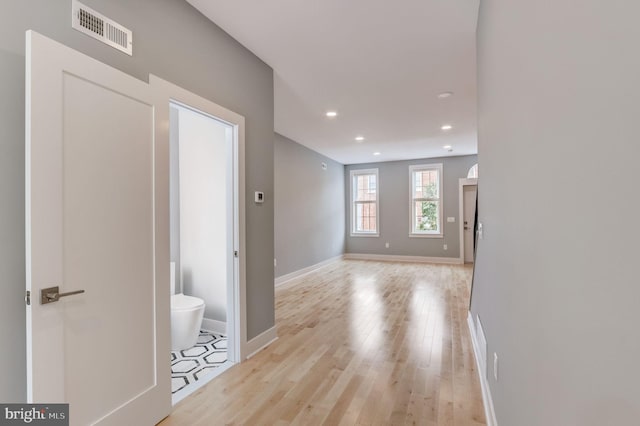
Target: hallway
column 360, row 342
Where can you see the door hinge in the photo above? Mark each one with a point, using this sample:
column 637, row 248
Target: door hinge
column 27, row 298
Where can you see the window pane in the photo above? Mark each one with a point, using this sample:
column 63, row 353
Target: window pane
column 361, row 186
column 426, row 216
column 365, row 188
column 425, row 184
column 365, row 219
column 371, row 213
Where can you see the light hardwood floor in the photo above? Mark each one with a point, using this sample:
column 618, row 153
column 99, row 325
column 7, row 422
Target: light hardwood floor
column 359, row 343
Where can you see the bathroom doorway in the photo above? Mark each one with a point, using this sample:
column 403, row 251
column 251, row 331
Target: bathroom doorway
column 201, row 245
column 205, row 219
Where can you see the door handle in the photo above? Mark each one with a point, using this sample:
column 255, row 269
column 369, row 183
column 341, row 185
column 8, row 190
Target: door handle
column 52, row 294
column 466, row 227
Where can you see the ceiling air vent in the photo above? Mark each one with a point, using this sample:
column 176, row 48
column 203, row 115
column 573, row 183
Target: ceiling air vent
column 102, row 28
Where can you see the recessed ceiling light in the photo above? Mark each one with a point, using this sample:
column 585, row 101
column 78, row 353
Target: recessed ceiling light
column 444, row 95
column 446, row 127
column 376, row 153
column 359, row 138
column 447, row 147
column 331, row 114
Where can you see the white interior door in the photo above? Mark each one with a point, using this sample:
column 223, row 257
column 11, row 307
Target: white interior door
column 469, row 200
column 97, row 220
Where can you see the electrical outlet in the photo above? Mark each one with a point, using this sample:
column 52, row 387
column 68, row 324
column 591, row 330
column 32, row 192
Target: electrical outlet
column 386, row 245
column 275, row 262
column 495, row 366
column 445, row 247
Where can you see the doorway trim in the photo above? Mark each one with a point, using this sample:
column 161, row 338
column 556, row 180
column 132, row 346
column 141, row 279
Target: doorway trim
column 166, row 93
column 462, row 182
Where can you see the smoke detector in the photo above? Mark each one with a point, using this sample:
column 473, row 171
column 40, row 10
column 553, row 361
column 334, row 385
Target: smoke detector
column 98, row 26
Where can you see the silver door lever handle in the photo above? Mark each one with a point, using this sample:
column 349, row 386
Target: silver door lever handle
column 52, row 294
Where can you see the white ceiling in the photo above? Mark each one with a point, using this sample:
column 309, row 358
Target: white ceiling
column 379, row 64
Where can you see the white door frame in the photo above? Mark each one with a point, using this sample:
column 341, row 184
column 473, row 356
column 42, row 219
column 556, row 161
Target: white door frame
column 166, row 93
column 462, row 182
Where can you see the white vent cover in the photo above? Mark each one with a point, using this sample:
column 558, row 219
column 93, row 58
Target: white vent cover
column 101, row 28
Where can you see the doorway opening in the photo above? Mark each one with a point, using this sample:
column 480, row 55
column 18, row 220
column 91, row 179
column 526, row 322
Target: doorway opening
column 167, row 98
column 468, row 190
column 203, row 227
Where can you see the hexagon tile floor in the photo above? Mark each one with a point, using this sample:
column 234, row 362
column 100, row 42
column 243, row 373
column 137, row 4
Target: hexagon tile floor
column 189, row 365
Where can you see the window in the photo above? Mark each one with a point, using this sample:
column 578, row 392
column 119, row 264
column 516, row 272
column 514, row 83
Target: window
column 473, row 172
column 426, row 200
column 364, row 202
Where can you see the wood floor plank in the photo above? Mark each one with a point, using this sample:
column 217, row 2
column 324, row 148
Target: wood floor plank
column 360, row 342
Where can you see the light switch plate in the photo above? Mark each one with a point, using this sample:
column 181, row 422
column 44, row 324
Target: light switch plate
column 451, row 219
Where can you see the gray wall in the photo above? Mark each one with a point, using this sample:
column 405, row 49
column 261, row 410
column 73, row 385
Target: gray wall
column 556, row 279
column 175, row 42
column 12, row 266
column 309, row 207
column 394, row 206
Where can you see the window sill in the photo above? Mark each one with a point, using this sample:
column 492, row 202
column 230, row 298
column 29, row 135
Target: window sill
column 364, row 235
column 426, row 235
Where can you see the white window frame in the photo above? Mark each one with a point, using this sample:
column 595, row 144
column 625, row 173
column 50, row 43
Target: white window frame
column 353, row 174
column 412, row 231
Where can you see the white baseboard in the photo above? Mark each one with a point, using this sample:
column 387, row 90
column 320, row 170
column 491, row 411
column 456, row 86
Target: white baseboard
column 300, row 272
column 489, row 411
column 214, row 326
column 261, row 341
column 398, row 258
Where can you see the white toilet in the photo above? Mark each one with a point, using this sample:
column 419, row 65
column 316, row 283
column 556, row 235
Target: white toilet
column 186, row 317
